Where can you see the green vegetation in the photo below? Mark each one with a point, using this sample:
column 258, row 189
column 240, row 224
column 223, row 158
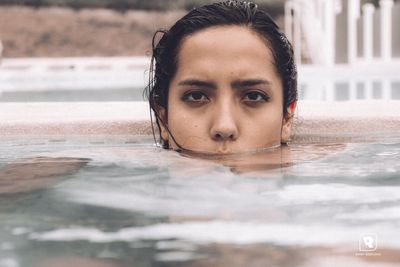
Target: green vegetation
column 128, row 4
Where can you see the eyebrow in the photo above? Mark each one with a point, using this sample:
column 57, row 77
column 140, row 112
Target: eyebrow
column 237, row 84
column 249, row 83
column 198, row 83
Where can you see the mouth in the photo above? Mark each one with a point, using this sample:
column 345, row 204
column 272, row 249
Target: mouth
column 211, row 154
column 223, row 149
column 222, row 152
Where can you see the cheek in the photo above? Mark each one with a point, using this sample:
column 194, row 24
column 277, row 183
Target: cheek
column 182, row 122
column 263, row 125
column 188, row 130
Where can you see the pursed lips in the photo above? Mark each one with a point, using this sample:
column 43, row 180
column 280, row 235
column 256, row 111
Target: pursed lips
column 223, row 148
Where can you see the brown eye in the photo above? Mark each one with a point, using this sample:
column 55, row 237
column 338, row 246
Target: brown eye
column 195, row 97
column 255, row 97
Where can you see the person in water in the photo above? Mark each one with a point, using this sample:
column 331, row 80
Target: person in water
column 223, row 80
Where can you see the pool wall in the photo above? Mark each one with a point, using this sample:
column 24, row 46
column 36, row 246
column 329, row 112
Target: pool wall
column 132, row 118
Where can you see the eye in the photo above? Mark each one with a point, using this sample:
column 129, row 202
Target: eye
column 195, row 96
column 255, row 96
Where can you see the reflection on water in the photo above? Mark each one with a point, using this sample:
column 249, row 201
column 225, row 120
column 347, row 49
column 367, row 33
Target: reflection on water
column 136, row 205
column 350, row 90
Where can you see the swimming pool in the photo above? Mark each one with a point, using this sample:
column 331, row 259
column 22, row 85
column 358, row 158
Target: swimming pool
column 333, row 201
column 137, row 205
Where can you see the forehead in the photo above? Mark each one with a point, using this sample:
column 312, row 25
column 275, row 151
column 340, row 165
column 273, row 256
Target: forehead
column 229, row 48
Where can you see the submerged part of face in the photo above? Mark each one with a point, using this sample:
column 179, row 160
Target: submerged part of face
column 226, row 95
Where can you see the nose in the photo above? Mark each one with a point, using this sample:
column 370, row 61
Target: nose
column 224, row 127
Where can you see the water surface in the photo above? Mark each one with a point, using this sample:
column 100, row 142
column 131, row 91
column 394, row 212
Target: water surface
column 125, row 202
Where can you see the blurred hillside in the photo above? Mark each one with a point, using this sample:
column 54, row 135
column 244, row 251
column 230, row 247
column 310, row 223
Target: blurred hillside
column 63, row 32
column 69, row 28
column 127, row 4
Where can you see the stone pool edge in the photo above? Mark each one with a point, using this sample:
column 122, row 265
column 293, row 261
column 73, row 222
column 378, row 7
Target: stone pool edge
column 132, row 118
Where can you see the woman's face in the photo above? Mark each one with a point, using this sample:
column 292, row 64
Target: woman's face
column 226, row 96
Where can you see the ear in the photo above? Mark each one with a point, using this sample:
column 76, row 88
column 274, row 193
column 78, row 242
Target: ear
column 287, row 123
column 162, row 120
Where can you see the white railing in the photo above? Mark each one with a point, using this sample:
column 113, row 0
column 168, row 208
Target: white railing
column 312, row 24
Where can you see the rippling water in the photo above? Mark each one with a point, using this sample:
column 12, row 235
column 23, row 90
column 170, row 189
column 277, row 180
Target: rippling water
column 128, row 203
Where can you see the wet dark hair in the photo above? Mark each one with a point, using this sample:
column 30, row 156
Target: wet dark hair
column 165, row 51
